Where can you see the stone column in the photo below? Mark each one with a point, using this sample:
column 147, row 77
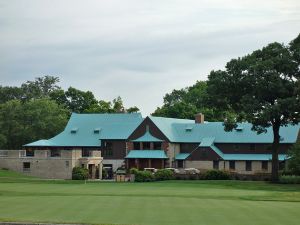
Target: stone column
column 100, row 170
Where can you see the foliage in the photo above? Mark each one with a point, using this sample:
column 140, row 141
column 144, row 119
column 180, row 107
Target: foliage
column 261, row 88
column 216, row 175
column 39, row 109
column 79, row 173
column 143, row 176
column 134, row 171
column 294, row 159
column 291, row 179
column 187, row 102
column 35, row 119
column 164, row 174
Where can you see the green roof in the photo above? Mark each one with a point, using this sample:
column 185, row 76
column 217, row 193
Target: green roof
column 146, row 154
column 207, row 142
column 182, row 156
column 88, row 129
column 147, row 137
column 176, row 131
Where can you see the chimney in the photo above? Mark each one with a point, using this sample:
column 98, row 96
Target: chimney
column 199, row 118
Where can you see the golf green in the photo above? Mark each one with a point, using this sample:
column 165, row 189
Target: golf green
column 156, row 203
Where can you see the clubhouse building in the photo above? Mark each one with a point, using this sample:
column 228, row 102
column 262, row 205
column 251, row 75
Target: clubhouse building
column 111, row 141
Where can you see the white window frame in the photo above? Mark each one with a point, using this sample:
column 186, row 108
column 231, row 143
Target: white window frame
column 22, row 154
column 3, row 153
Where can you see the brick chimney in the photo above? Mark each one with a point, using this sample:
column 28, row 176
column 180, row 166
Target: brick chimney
column 199, row 118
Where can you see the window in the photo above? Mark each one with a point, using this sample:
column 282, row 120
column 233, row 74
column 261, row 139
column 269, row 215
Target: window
column 26, row 166
column 216, row 165
column 22, row 153
column 67, row 163
column 108, row 149
column 252, row 147
column 29, row 153
column 232, row 165
column 236, row 147
column 86, row 153
column 264, row 165
column 281, row 165
column 55, row 153
column 146, row 145
column 136, row 146
column 180, row 163
column 157, row 145
column 3, row 153
column 248, row 165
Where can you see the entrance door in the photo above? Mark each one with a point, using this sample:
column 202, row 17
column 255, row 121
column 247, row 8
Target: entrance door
column 108, row 171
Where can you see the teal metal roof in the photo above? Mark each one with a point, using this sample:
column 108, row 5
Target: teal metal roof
column 182, row 156
column 207, row 142
column 147, row 137
column 146, row 154
column 175, row 130
column 80, row 129
column 253, row 157
column 257, row 157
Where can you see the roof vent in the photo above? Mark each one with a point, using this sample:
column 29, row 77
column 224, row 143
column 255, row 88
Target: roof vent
column 97, row 130
column 188, row 128
column 74, row 130
column 239, row 128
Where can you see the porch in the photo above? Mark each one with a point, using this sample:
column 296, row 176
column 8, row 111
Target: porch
column 141, row 159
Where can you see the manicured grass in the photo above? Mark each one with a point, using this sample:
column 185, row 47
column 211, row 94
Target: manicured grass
column 157, row 203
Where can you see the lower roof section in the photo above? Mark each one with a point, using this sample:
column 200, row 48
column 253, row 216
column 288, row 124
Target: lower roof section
column 146, row 154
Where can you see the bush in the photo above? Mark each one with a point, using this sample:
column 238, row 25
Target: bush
column 79, row 173
column 164, row 174
column 134, row 171
column 289, row 179
column 216, row 175
column 294, row 160
column 143, row 176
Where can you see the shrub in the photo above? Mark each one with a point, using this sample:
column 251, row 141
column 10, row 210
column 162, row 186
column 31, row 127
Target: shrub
column 143, row 176
column 79, row 173
column 164, row 174
column 134, row 171
column 289, row 179
column 216, row 175
column 294, row 160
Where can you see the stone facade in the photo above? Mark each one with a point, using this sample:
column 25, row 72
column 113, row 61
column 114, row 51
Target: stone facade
column 240, row 166
column 43, row 164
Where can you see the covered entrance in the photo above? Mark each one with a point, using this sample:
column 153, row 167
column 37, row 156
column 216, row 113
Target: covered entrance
column 141, row 159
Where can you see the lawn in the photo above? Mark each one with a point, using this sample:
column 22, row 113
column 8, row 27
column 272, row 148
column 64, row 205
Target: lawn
column 157, row 203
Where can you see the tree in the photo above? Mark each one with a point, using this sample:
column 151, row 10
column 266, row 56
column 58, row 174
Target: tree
column 133, row 109
column 187, row 102
column 118, row 105
column 261, row 88
column 21, row 123
column 10, row 93
column 79, row 101
column 294, row 159
column 41, row 87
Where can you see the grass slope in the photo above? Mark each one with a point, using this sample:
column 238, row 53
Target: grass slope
column 158, row 203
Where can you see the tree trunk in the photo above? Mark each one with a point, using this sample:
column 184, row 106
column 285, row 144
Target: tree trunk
column 275, row 147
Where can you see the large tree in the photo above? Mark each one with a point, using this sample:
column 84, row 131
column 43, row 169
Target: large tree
column 261, row 88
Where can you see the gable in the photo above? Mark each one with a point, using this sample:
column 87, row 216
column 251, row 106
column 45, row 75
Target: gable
column 153, row 130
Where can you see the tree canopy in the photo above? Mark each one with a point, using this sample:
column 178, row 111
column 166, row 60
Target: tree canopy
column 187, row 102
column 261, row 88
column 40, row 109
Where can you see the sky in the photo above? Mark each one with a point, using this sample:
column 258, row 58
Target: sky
column 137, row 49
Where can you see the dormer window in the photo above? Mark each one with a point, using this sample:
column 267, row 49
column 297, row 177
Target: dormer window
column 239, row 128
column 188, row 128
column 97, row 130
column 74, row 130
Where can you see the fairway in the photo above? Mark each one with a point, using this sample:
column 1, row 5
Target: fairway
column 157, row 203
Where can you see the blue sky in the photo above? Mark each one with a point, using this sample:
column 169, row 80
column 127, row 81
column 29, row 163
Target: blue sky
column 135, row 49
